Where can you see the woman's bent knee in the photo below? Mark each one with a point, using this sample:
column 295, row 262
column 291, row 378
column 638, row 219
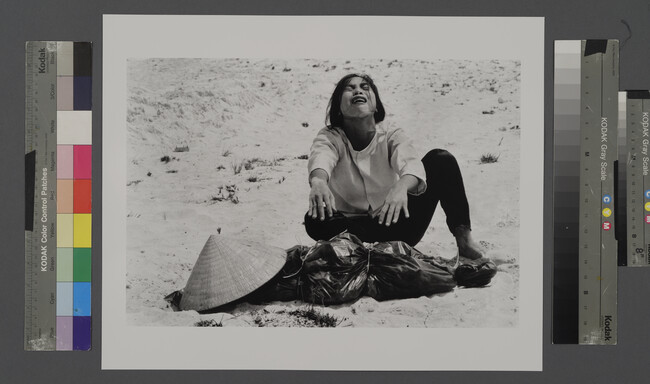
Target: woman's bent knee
column 438, row 154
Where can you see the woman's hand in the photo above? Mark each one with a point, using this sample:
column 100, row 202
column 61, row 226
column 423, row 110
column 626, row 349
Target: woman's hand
column 396, row 201
column 321, row 199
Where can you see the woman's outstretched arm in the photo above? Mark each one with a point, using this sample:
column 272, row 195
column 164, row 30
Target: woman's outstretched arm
column 323, row 158
column 321, row 199
column 397, row 200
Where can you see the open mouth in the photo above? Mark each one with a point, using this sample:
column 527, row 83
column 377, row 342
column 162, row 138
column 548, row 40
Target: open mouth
column 359, row 100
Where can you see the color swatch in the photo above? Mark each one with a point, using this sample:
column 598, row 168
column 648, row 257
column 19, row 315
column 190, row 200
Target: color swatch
column 74, row 196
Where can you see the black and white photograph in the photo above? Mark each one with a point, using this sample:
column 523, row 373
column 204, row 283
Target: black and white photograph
column 229, row 147
column 321, row 189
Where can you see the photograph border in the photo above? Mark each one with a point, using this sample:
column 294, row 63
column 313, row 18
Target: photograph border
column 474, row 38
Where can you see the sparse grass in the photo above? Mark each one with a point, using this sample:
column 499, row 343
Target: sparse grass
column 209, row 323
column 303, row 317
column 488, row 158
column 229, row 193
column 226, row 153
column 303, row 157
column 165, row 159
column 250, row 164
column 220, row 167
column 183, row 148
column 172, row 171
column 237, row 166
column 252, row 179
column 133, row 182
column 321, row 320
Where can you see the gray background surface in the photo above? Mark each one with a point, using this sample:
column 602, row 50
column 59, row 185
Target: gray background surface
column 81, row 20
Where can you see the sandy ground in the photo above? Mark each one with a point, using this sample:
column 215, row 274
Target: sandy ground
column 248, row 126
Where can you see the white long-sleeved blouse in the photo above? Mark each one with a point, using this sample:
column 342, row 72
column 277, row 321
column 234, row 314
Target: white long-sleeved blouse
column 360, row 180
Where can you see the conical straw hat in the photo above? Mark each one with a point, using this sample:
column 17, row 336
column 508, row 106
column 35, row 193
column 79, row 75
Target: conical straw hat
column 228, row 269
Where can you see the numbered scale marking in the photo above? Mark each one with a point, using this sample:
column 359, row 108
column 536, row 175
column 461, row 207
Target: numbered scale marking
column 598, row 150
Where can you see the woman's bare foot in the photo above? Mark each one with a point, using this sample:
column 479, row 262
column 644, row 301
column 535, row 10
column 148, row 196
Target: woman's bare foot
column 467, row 247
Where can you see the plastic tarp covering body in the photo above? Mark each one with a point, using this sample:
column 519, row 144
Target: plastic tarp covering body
column 398, row 271
column 343, row 269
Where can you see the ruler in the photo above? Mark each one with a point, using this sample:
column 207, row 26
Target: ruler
column 584, row 196
column 598, row 259
column 637, row 121
column 622, row 182
column 57, row 195
column 40, row 217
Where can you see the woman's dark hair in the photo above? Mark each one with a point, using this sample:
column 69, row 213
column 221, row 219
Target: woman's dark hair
column 334, row 116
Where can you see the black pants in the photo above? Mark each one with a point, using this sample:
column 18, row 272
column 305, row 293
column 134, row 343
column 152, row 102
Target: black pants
column 444, row 185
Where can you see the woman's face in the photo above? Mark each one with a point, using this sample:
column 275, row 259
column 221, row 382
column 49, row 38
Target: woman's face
column 358, row 99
